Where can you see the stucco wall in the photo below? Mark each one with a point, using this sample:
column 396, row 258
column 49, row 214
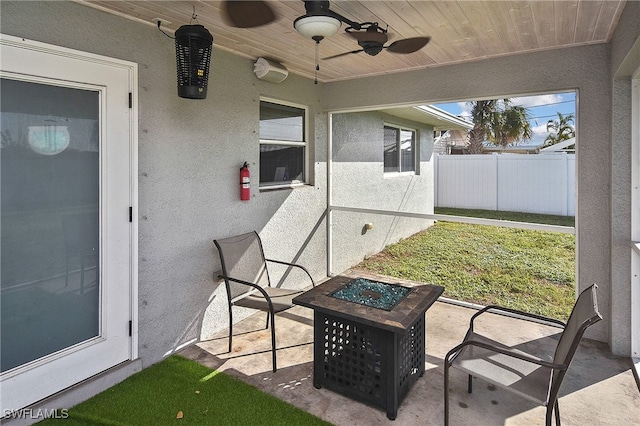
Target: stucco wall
column 359, row 181
column 625, row 61
column 190, row 152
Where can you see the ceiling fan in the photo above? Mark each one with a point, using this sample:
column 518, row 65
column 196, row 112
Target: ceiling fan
column 373, row 38
column 316, row 23
column 319, row 22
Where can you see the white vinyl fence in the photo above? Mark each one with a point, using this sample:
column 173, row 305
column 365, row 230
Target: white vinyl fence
column 542, row 183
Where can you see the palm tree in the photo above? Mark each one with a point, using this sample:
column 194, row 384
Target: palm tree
column 499, row 122
column 510, row 126
column 481, row 114
column 562, row 129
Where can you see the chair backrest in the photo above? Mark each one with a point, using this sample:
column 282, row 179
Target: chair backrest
column 584, row 314
column 242, row 258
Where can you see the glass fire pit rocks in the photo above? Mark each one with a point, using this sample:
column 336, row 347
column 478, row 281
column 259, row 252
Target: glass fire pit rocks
column 372, row 293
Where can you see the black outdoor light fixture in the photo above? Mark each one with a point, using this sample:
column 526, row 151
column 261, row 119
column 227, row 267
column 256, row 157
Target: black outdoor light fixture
column 193, row 57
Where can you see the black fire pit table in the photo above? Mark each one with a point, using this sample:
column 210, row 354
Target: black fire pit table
column 369, row 337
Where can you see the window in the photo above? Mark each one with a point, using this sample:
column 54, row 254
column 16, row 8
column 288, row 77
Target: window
column 283, row 130
column 399, row 149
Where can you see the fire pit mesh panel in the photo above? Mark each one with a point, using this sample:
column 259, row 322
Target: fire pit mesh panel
column 372, row 293
column 411, row 360
column 359, row 361
column 353, row 355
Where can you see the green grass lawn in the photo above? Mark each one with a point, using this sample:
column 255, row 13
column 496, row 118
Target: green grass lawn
column 182, row 392
column 521, row 269
column 513, row 216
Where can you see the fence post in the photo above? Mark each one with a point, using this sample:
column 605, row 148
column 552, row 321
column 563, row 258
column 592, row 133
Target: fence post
column 436, row 162
column 564, row 184
column 496, row 203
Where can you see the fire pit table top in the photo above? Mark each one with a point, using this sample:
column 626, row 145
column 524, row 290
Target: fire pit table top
column 378, row 302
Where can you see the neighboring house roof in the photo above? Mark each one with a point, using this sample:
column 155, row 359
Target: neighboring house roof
column 446, row 121
column 429, row 115
column 516, row 149
column 451, row 141
column 560, row 147
column 456, row 128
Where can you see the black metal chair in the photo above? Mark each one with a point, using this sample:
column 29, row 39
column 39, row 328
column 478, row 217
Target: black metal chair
column 246, row 277
column 514, row 370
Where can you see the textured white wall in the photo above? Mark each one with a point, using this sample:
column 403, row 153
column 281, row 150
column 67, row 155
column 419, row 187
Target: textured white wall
column 359, row 181
column 190, row 152
column 625, row 61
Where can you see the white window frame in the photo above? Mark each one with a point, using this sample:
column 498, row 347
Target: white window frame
column 304, row 144
column 415, row 153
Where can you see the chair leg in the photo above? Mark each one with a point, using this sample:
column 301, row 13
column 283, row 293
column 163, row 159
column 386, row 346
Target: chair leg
column 230, row 327
column 446, row 392
column 273, row 339
column 551, row 408
column 267, row 326
column 470, row 383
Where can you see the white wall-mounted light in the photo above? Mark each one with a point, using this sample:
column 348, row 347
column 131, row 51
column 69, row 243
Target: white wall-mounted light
column 270, row 71
column 317, row 27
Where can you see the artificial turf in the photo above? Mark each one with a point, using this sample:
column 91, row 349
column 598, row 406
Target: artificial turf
column 178, row 391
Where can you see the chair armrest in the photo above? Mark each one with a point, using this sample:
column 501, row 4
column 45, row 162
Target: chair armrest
column 247, row 283
column 501, row 309
column 505, row 351
column 313, row 283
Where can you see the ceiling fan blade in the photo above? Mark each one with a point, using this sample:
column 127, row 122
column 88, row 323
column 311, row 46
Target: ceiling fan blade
column 369, row 36
column 343, row 54
column 247, row 14
column 408, row 45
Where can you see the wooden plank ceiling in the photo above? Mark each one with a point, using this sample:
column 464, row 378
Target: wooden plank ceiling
column 460, row 30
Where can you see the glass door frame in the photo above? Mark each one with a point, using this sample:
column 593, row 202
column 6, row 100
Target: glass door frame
column 33, row 61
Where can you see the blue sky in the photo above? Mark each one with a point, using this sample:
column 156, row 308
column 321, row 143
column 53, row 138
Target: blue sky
column 541, row 109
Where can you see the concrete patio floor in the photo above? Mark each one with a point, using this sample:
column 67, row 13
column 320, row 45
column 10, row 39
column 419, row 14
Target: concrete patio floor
column 599, row 389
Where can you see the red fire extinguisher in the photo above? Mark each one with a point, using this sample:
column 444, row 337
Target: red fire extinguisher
column 245, row 186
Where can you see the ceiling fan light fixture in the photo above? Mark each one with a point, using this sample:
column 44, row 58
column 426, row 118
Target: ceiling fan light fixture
column 317, row 27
